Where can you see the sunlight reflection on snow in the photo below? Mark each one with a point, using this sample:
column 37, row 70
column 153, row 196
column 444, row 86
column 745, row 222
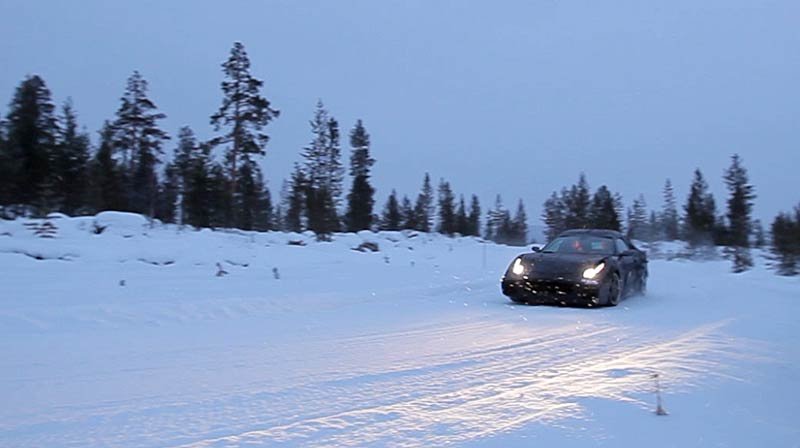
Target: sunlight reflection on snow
column 502, row 384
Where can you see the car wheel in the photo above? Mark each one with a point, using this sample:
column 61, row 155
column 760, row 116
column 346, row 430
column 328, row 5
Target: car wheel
column 614, row 292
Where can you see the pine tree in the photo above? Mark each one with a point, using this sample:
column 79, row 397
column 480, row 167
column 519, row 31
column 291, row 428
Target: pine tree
column 740, row 205
column 391, row 218
column 424, row 207
column 602, row 210
column 447, row 212
column 519, row 225
column 360, row 200
column 106, row 186
column 32, row 132
column 69, row 163
column 243, row 115
column 139, row 139
column 700, row 213
column 669, row 214
column 474, row 217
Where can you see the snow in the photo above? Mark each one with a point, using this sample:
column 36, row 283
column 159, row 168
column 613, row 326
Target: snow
column 127, row 337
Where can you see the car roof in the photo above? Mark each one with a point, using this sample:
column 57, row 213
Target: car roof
column 594, row 232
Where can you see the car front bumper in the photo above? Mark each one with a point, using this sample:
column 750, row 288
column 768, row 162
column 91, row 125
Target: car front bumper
column 560, row 291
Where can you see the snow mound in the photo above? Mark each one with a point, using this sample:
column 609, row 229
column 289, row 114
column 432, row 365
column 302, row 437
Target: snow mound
column 120, row 223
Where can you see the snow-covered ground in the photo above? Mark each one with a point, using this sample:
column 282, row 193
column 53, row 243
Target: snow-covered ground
column 128, row 338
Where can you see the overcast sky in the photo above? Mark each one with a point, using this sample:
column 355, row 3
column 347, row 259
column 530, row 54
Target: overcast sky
column 509, row 97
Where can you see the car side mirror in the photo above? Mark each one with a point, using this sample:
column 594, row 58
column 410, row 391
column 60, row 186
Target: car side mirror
column 536, row 249
column 628, row 253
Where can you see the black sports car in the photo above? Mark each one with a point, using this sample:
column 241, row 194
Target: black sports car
column 579, row 267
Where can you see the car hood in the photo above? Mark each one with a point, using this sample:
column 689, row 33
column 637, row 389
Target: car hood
column 561, row 264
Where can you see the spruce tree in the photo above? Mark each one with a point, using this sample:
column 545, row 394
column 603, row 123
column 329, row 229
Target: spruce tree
column 461, row 226
column 554, row 214
column 360, row 200
column 200, row 199
column 700, row 212
column 106, row 186
column 638, row 225
column 296, row 204
column 474, row 217
column 69, row 163
column 242, row 117
column 602, row 210
column 219, row 199
column 655, row 228
column 167, row 195
column 740, row 205
column 424, row 207
column 6, row 167
column 785, row 231
column 323, row 172
column 32, row 132
column 759, row 239
column 184, row 157
column 139, row 139
column 577, row 205
column 248, row 195
column 670, row 222
column 495, row 221
column 407, row 213
column 520, row 226
column 447, row 212
column 391, row 218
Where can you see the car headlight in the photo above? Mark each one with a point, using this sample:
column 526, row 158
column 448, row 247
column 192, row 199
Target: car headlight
column 518, row 268
column 592, row 272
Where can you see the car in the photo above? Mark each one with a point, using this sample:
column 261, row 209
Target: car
column 589, row 267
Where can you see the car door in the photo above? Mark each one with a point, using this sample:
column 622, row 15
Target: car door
column 627, row 261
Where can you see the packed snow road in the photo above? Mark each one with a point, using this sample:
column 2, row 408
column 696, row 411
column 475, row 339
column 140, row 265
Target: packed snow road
column 410, row 346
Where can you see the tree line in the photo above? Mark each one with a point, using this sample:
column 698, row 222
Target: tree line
column 48, row 163
column 699, row 222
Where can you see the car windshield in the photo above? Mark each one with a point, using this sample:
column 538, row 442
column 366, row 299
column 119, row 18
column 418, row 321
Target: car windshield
column 580, row 244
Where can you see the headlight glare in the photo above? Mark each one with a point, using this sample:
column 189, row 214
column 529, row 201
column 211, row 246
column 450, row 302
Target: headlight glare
column 592, row 272
column 518, row 268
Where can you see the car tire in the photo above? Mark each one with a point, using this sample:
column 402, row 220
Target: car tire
column 614, row 292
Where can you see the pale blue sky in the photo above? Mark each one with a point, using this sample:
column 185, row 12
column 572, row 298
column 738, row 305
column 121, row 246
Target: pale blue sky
column 510, row 97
